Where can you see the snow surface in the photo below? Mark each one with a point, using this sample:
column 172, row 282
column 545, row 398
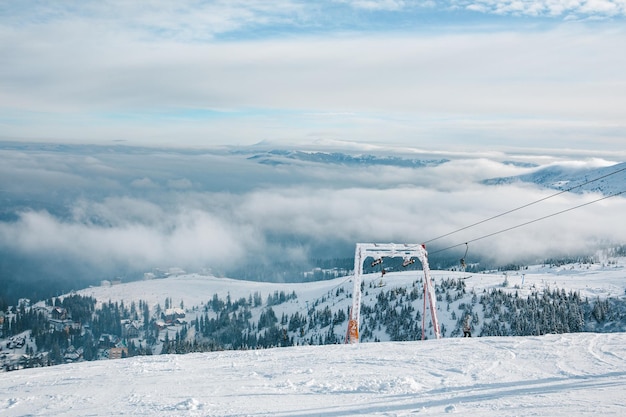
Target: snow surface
column 598, row 280
column 603, row 279
column 567, row 176
column 554, row 375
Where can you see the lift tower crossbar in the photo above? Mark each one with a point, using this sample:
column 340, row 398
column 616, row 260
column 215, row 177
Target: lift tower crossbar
column 389, row 250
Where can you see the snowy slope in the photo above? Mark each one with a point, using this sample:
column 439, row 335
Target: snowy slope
column 606, row 279
column 556, row 375
column 591, row 280
column 281, row 157
column 564, row 177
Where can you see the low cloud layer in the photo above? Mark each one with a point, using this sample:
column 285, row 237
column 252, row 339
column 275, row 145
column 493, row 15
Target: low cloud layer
column 117, row 225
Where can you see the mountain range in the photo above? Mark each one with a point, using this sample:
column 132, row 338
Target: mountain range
column 608, row 180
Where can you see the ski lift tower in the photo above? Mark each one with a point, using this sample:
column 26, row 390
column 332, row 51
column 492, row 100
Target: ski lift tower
column 390, row 250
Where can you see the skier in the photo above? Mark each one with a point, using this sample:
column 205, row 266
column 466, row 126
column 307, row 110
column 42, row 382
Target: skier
column 467, row 326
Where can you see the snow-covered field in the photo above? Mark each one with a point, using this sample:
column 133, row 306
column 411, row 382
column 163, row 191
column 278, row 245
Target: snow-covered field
column 607, row 279
column 599, row 280
column 556, row 375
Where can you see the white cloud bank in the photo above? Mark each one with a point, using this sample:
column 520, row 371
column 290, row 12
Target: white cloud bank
column 535, row 8
column 565, row 8
column 140, row 234
column 114, row 72
column 107, row 210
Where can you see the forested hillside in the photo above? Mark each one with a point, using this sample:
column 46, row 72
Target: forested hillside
column 80, row 327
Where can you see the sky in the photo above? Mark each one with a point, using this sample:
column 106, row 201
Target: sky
column 454, row 74
column 162, row 104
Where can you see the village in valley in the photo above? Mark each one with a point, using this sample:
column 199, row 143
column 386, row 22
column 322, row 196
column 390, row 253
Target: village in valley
column 28, row 348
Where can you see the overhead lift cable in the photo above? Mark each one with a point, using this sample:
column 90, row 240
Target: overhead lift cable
column 530, row 222
column 526, row 205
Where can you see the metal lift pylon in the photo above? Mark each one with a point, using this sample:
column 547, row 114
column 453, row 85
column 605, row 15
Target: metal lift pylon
column 390, row 250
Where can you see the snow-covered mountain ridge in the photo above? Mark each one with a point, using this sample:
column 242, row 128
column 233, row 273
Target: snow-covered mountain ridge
column 198, row 313
column 222, row 312
column 279, row 157
column 564, row 177
column 600, row 279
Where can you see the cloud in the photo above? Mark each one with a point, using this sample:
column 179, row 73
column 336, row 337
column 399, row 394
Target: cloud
column 535, row 8
column 550, row 8
column 144, row 183
column 155, row 20
column 188, row 238
column 393, row 5
column 516, row 87
column 157, row 73
column 414, row 215
column 194, row 238
column 300, row 211
column 465, row 80
column 181, row 183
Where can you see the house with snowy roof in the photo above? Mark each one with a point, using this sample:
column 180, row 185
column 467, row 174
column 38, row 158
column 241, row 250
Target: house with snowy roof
column 58, row 313
column 172, row 314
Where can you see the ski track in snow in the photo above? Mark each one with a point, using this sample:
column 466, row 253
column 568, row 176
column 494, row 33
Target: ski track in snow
column 555, row 375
